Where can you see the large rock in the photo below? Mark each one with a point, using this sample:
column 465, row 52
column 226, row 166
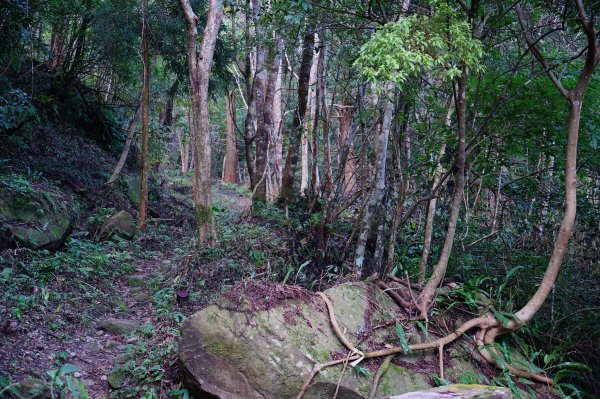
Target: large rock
column 120, row 224
column 34, row 215
column 262, row 342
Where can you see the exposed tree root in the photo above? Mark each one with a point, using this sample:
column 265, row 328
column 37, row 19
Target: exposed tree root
column 487, row 350
column 489, row 328
column 380, row 372
column 396, row 297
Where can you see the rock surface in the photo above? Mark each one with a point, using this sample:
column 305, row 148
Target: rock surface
column 31, row 388
column 264, row 345
column 33, row 215
column 120, row 224
column 459, row 391
column 120, row 326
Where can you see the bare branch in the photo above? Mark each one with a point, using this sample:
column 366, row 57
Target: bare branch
column 538, row 56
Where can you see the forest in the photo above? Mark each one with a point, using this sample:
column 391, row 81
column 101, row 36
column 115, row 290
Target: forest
column 299, row 199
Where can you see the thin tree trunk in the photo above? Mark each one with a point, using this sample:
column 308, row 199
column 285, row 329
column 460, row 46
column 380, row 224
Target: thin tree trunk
column 250, row 125
column 287, row 185
column 199, row 71
column 426, row 295
column 231, row 158
column 262, row 130
column 304, row 161
column 348, row 165
column 379, row 183
column 431, row 207
column 326, row 122
column 123, row 158
column 277, row 147
column 145, row 119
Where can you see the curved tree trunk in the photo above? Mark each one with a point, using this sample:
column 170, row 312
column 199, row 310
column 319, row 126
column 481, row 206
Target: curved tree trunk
column 426, row 295
column 574, row 98
column 127, row 146
column 431, row 207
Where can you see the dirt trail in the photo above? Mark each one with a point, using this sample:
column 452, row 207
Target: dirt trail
column 32, row 348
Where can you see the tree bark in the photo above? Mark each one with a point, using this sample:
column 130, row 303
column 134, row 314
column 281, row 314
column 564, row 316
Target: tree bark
column 439, row 271
column 379, row 184
column 287, row 185
column 277, row 137
column 431, row 207
column 199, row 73
column 126, row 147
column 145, row 119
column 348, row 165
column 574, row 99
column 231, row 156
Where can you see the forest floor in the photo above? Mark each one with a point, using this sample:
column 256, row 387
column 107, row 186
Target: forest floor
column 61, row 310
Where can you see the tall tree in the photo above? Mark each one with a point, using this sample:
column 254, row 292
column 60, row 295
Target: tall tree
column 289, row 171
column 145, row 118
column 199, row 64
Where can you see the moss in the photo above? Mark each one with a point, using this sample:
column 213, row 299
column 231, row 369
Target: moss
column 204, row 214
column 223, row 349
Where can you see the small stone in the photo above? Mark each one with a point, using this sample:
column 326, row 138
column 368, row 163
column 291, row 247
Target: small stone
column 116, row 378
column 77, row 374
column 137, row 280
column 92, row 346
column 111, row 344
column 120, row 326
column 103, row 378
column 99, row 333
column 141, row 297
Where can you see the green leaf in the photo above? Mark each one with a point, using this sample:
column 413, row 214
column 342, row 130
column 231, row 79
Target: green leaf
column 423, row 329
column 67, row 368
column 402, row 335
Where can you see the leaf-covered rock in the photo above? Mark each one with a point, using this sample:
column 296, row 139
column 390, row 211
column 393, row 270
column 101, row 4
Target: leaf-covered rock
column 120, row 224
column 33, row 214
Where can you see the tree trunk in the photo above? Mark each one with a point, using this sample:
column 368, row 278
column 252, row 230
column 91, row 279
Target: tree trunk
column 199, row 71
column 328, row 188
column 379, row 184
column 231, row 158
column 348, row 165
column 287, row 185
column 426, row 295
column 123, row 158
column 276, row 135
column 145, row 118
column 431, row 207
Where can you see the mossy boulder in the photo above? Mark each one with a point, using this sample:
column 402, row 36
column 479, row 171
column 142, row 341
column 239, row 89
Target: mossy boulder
column 31, row 388
column 120, row 224
column 33, row 214
column 257, row 344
